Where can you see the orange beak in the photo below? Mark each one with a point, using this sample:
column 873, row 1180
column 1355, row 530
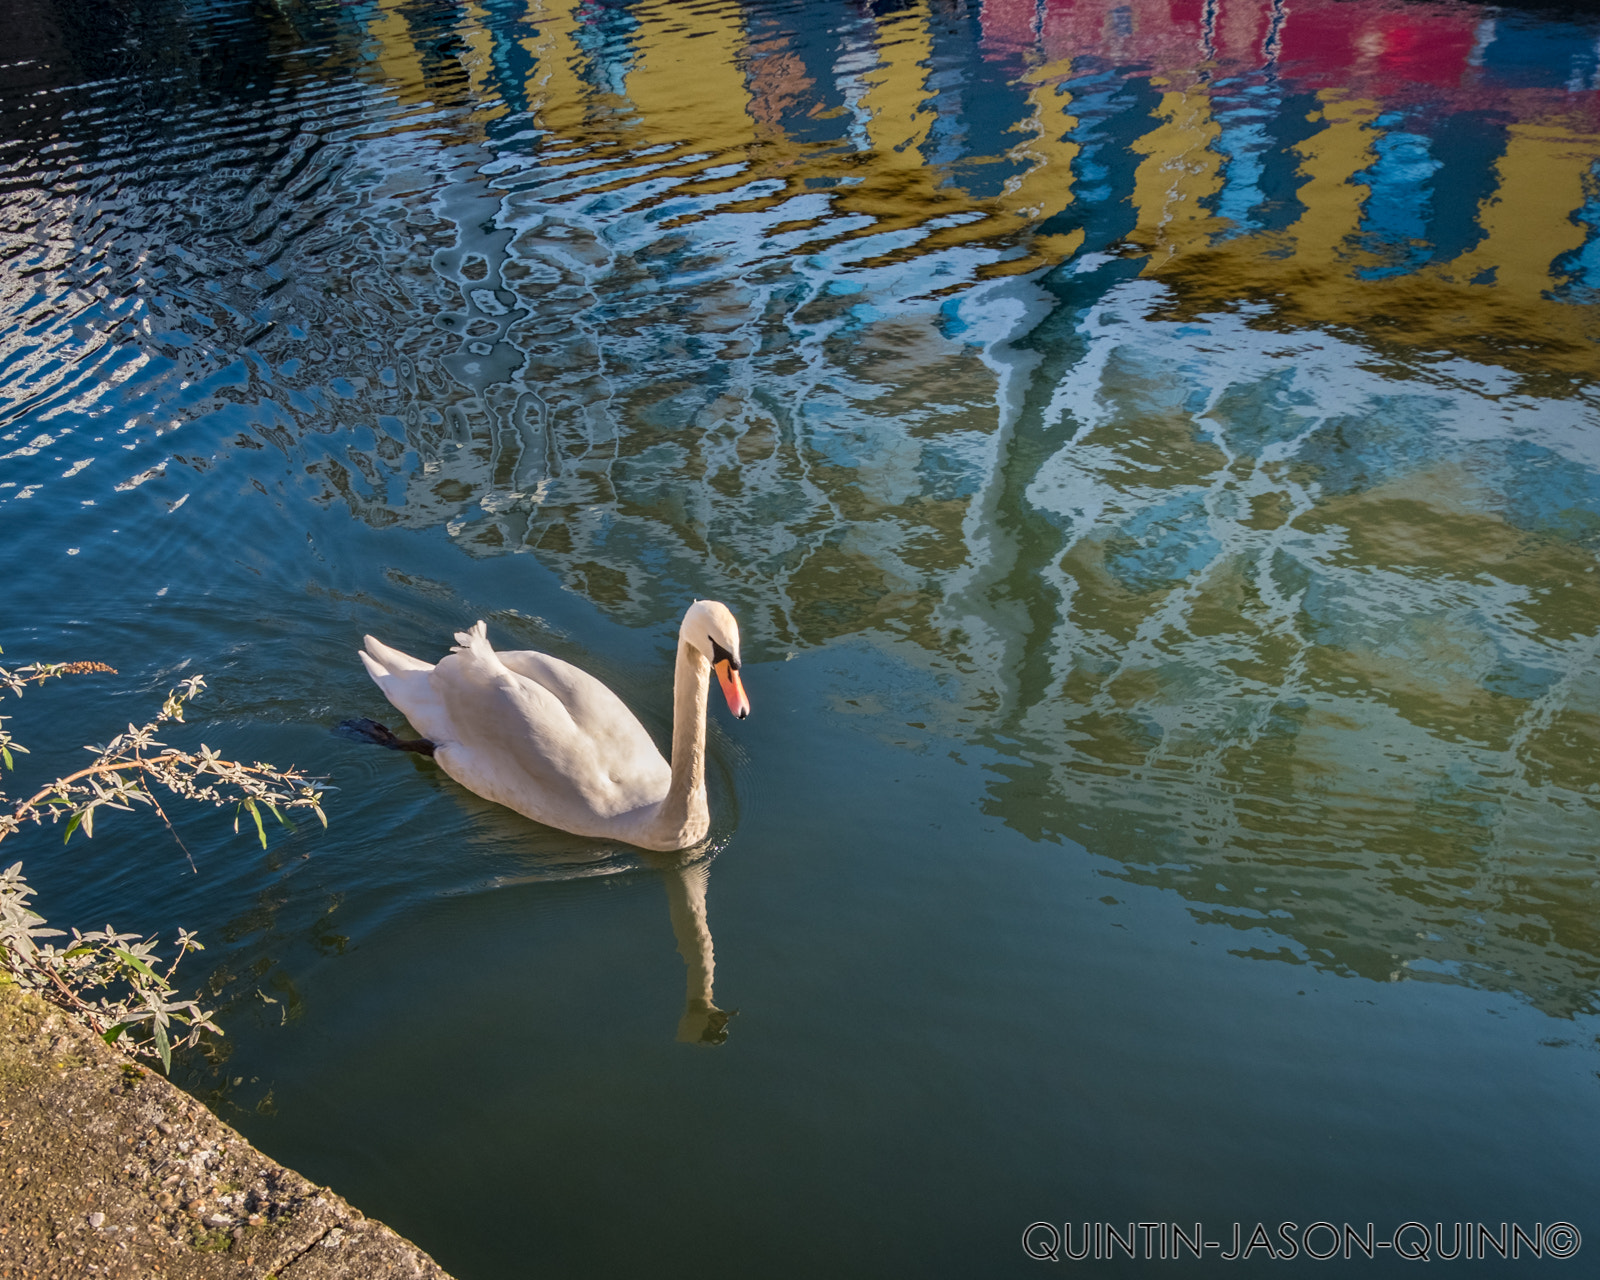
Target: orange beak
column 732, row 689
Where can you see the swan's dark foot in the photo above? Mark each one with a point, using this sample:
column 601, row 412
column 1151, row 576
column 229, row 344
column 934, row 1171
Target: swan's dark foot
column 364, row 730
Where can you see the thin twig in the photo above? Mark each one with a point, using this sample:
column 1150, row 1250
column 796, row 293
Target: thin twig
column 171, row 830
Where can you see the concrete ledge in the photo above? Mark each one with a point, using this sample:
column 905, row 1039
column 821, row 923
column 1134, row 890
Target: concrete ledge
column 110, row 1171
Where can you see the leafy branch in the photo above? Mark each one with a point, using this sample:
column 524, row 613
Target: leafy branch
column 108, row 979
column 114, row 981
column 124, row 768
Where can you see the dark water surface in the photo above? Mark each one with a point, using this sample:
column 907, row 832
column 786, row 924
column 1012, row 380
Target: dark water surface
column 1153, row 450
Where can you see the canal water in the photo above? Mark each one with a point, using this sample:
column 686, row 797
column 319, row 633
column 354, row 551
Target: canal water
column 1153, row 452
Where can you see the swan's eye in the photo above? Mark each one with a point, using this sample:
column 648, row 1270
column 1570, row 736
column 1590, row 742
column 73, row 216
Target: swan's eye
column 719, row 654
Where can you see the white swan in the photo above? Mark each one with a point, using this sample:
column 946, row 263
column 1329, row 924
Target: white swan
column 540, row 736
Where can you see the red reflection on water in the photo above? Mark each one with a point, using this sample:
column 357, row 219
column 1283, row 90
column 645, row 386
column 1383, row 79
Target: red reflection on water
column 1388, row 46
column 1388, row 49
column 1009, row 26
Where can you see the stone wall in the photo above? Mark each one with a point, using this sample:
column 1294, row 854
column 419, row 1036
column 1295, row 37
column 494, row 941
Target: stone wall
column 108, row 1170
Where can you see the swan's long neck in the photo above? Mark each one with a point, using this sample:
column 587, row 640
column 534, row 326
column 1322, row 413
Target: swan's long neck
column 685, row 804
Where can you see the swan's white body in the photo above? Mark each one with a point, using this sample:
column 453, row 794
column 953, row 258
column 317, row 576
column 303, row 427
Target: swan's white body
column 542, row 737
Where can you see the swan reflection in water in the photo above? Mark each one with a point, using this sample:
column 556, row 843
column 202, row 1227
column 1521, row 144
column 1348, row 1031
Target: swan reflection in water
column 686, row 878
column 685, row 875
column 702, row 1021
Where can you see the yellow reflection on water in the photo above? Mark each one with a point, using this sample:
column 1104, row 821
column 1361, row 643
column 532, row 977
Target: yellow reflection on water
column 687, row 83
column 1181, row 170
column 1494, row 302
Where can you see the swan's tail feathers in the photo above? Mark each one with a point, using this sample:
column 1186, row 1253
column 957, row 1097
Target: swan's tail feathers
column 375, row 669
column 383, row 660
column 408, row 683
column 470, row 639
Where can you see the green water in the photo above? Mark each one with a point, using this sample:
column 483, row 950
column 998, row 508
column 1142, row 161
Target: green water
column 1151, row 455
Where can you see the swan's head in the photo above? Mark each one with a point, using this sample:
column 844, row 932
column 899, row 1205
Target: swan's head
column 710, row 628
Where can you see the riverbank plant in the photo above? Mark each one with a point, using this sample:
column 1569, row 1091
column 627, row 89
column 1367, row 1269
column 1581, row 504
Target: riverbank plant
column 118, row 983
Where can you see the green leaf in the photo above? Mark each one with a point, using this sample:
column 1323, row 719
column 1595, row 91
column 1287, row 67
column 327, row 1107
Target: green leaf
column 78, row 951
column 113, row 1034
column 72, row 826
column 164, row 1048
column 88, row 822
column 277, row 815
column 256, row 814
column 133, row 962
column 6, row 756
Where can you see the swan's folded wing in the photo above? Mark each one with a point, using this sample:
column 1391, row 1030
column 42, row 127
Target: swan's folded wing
column 520, row 745
column 593, row 707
